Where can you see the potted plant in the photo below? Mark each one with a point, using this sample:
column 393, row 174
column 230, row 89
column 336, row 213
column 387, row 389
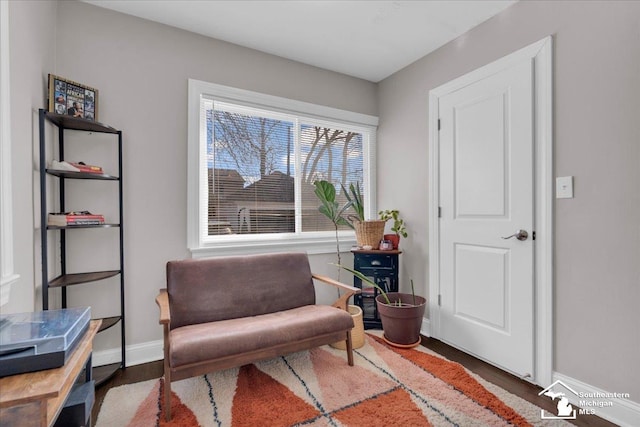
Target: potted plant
column 401, row 314
column 326, row 193
column 368, row 232
column 329, row 207
column 398, row 227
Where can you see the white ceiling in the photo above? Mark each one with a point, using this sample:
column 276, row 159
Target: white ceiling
column 366, row 39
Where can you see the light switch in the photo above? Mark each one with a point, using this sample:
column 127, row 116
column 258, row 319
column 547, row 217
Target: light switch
column 564, row 187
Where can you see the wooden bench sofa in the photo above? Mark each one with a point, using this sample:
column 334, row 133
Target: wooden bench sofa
column 225, row 312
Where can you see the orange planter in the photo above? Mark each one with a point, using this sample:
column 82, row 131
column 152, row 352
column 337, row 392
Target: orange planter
column 394, row 239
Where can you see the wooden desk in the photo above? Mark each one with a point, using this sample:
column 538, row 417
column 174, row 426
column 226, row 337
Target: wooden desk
column 36, row 398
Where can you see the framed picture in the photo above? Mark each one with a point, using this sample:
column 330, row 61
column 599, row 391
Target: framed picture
column 72, row 99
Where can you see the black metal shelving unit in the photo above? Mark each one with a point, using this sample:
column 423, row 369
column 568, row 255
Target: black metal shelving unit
column 65, row 280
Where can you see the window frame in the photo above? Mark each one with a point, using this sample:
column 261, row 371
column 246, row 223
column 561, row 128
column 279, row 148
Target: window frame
column 310, row 242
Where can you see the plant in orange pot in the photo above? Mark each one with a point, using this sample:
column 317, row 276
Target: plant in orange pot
column 398, row 227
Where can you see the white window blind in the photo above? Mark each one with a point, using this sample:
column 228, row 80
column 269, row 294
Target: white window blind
column 256, row 159
column 257, row 164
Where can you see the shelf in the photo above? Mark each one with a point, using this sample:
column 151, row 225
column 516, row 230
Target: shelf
column 79, row 278
column 62, row 187
column 103, row 373
column 108, row 322
column 376, row 251
column 81, row 175
column 68, row 227
column 68, row 122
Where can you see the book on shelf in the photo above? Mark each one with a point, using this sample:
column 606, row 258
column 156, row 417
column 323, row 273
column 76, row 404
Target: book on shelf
column 75, row 167
column 65, row 219
column 83, row 167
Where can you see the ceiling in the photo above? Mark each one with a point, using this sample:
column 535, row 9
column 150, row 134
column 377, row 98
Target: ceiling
column 366, row 39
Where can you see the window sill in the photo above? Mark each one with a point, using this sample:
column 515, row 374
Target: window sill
column 310, row 245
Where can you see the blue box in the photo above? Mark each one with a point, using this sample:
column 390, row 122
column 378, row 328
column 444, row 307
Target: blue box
column 40, row 340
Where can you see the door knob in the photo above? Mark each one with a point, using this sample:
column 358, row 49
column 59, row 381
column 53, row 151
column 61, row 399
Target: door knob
column 520, row 235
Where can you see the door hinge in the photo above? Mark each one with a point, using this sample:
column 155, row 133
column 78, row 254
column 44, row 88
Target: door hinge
column 438, row 124
column 439, row 212
column 439, row 300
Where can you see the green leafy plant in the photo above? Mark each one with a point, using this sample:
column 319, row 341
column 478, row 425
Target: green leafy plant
column 326, row 193
column 329, row 207
column 355, row 201
column 398, row 226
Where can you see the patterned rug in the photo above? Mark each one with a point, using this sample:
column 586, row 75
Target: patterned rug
column 386, row 387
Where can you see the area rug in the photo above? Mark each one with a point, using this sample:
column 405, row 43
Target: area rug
column 386, row 387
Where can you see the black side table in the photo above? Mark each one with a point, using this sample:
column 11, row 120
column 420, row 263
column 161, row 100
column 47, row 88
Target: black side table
column 382, row 268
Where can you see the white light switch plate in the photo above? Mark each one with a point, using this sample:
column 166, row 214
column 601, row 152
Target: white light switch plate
column 564, row 187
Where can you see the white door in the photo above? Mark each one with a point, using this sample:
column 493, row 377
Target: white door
column 486, row 194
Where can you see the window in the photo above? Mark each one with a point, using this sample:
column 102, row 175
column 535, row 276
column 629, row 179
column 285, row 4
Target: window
column 253, row 159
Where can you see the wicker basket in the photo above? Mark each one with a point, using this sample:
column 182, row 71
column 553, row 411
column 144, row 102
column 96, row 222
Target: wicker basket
column 357, row 333
column 369, row 233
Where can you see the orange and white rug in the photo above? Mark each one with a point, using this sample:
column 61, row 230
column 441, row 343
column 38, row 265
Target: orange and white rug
column 386, row 387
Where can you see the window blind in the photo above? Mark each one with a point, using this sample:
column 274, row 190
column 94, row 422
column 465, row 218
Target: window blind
column 261, row 166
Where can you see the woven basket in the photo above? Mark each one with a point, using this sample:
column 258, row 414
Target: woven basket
column 357, row 333
column 369, row 233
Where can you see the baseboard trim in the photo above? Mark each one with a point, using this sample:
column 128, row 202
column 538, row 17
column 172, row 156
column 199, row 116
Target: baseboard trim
column 624, row 412
column 137, row 354
column 425, row 328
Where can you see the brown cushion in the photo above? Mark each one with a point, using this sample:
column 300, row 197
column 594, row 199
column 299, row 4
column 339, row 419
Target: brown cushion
column 210, row 341
column 206, row 290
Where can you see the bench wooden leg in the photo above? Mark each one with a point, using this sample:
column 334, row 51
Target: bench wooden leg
column 349, row 348
column 167, row 376
column 167, row 398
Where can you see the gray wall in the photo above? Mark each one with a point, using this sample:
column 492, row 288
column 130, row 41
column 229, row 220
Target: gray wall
column 596, row 139
column 141, row 70
column 32, row 47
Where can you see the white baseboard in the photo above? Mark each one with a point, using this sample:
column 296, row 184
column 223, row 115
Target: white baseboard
column 624, row 412
column 425, row 329
column 137, row 354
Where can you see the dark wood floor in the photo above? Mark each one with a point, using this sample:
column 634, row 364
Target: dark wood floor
column 511, row 383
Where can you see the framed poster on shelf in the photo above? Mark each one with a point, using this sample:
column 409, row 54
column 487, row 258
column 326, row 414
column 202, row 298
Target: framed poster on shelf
column 73, row 99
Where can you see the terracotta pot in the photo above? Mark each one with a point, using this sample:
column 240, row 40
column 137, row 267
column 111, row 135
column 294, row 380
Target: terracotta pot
column 401, row 324
column 394, row 238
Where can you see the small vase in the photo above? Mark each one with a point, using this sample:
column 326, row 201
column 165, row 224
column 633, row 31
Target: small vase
column 394, row 238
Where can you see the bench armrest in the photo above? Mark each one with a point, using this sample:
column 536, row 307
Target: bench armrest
column 349, row 290
column 163, row 303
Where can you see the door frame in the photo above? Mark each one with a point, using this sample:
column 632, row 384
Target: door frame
column 541, row 53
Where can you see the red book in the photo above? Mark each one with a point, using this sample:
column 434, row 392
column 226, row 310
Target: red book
column 86, row 168
column 74, row 218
